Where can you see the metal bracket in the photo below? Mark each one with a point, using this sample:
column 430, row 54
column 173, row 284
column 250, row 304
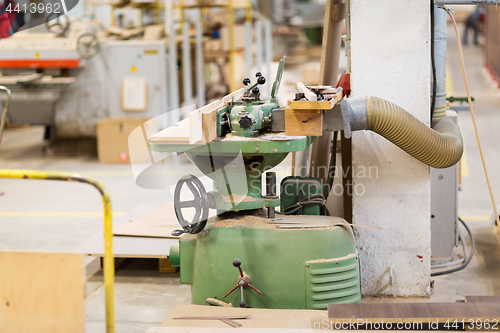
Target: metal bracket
column 337, row 118
column 344, row 107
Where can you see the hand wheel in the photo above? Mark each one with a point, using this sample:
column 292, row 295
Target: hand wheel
column 199, row 203
column 59, row 27
column 87, row 45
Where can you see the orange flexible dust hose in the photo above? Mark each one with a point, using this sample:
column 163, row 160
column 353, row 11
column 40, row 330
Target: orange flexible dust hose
column 472, row 114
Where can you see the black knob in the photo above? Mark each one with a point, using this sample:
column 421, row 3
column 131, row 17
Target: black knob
column 258, row 74
column 246, row 81
column 243, row 304
column 261, row 80
column 236, row 262
column 255, row 90
column 245, row 123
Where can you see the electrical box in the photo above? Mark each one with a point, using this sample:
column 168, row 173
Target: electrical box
column 293, row 189
column 137, row 83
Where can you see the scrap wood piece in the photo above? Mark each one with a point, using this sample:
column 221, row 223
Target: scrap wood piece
column 310, row 96
column 317, row 105
column 225, row 319
column 231, row 323
column 215, row 317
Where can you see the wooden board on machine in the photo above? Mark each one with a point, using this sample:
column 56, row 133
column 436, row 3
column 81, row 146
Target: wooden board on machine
column 305, row 117
column 414, row 312
column 41, row 292
column 199, row 128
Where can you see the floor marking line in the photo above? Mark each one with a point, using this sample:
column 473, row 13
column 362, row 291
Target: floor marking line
column 57, row 214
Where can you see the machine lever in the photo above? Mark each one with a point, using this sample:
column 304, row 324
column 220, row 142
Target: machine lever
column 243, row 282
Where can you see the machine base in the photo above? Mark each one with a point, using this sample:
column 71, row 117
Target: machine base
column 297, row 262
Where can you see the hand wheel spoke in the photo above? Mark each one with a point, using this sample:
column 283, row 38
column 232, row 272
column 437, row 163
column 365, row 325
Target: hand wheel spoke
column 193, row 189
column 196, row 215
column 187, row 204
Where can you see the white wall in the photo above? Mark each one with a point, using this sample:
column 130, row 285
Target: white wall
column 391, row 60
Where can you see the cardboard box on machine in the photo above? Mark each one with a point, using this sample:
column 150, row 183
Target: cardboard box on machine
column 114, row 145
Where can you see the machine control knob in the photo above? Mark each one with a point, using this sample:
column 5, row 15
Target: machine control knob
column 246, row 81
column 261, row 80
column 258, row 74
column 246, row 122
column 243, row 282
column 255, row 91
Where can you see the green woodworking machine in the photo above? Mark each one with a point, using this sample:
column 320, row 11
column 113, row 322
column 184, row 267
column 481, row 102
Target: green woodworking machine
column 297, row 257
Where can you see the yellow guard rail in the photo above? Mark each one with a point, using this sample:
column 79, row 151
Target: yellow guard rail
column 109, row 269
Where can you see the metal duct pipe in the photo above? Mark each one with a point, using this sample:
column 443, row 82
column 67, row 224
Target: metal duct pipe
column 440, row 58
column 439, row 147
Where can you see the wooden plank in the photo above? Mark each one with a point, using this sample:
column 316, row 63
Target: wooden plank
column 195, row 127
column 159, row 222
column 177, row 134
column 206, row 130
column 318, row 105
column 129, row 247
column 482, row 299
column 259, row 318
column 41, row 292
column 228, row 329
column 233, row 96
column 413, row 312
column 209, row 126
column 303, row 122
column 310, row 96
column 199, row 128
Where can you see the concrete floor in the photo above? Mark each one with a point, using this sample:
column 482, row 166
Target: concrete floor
column 58, row 216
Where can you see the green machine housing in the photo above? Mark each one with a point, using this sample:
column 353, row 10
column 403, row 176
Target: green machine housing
column 294, row 268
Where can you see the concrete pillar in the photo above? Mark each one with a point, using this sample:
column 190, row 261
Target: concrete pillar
column 391, row 59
